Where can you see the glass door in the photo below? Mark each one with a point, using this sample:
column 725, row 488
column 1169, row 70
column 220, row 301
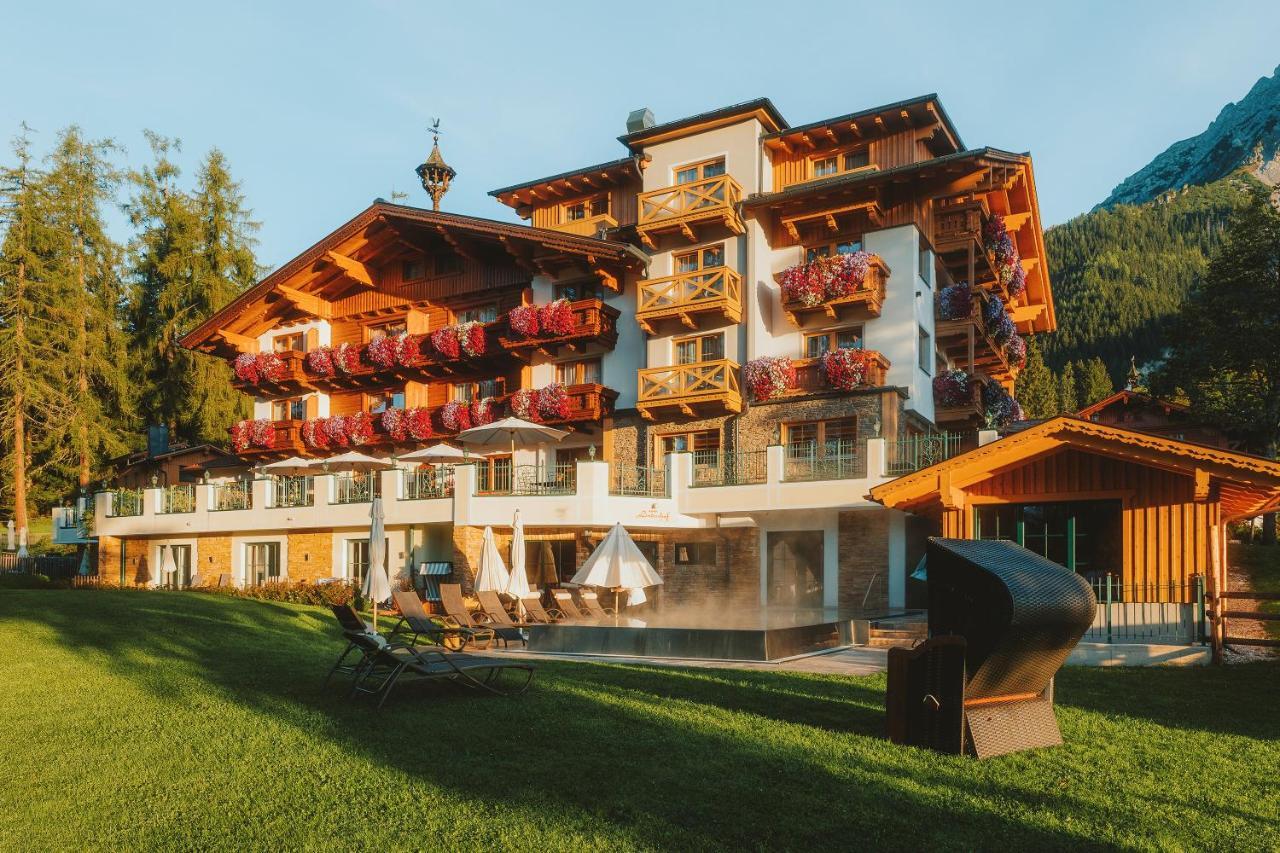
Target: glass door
column 182, row 558
column 795, row 569
column 262, row 563
column 357, row 560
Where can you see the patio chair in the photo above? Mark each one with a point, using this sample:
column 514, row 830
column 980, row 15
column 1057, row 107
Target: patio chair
column 417, row 623
column 569, row 609
column 387, row 663
column 352, row 626
column 591, row 602
column 492, row 606
column 458, row 616
column 537, row 613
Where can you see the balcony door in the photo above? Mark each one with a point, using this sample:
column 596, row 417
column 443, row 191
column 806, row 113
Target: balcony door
column 182, row 559
column 795, row 569
column 702, row 348
column 262, row 563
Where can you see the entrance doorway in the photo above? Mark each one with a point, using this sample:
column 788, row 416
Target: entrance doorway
column 1083, row 536
column 795, row 569
column 182, row 559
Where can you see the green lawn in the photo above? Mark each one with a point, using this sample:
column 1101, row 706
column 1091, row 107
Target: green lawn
column 161, row 720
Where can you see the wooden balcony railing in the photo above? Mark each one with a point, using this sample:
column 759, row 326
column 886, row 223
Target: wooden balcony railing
column 593, row 323
column 690, row 387
column 811, row 380
column 293, row 379
column 971, row 411
column 588, row 227
column 955, row 224
column 287, row 441
column 965, row 341
column 681, row 207
column 588, row 402
column 426, row 364
column 866, row 301
column 688, row 296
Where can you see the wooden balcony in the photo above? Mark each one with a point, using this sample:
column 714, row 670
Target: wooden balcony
column 969, row 414
column 426, row 366
column 811, row 381
column 680, row 208
column 966, row 343
column 288, row 442
column 593, row 323
column 589, row 227
column 704, row 387
column 589, row 402
column 863, row 303
column 295, row 378
column 714, row 293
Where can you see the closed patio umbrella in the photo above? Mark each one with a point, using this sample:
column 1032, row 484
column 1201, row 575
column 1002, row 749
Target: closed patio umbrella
column 510, row 433
column 518, row 585
column 618, row 565
column 492, row 574
column 22, row 543
column 376, row 587
column 9, row 543
column 84, row 560
column 168, row 565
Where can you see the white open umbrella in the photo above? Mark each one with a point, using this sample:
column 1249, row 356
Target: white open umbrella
column 168, row 565
column 617, row 564
column 492, row 574
column 294, row 466
column 510, row 433
column 518, row 585
column 376, row 587
column 442, row 453
column 353, row 460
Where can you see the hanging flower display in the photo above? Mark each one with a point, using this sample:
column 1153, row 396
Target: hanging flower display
column 996, row 321
column 769, row 376
column 346, row 357
column 394, row 423
column 955, row 302
column 1018, row 284
column 846, row 368
column 556, row 318
column 335, row 431
column 253, row 433
column 524, row 404
column 445, row 341
column 481, row 411
column 388, row 350
column 826, row 278
column 320, row 361
column 553, row 402
column 271, row 367
column 360, row 428
column 800, row 287
column 999, row 408
column 417, row 423
column 313, row 433
column 523, row 320
column 246, row 367
column 455, row 415
column 953, row 388
column 240, row 436
column 471, row 338
column 999, row 242
column 1016, row 351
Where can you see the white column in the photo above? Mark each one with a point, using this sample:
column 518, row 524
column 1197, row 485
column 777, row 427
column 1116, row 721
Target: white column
column 464, row 490
column 876, row 459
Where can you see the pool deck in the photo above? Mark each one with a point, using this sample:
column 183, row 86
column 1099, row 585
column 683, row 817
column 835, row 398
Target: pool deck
column 846, row 660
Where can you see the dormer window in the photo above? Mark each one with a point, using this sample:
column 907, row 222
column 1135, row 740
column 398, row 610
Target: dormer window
column 826, row 165
column 413, row 270
column 387, row 330
column 585, row 208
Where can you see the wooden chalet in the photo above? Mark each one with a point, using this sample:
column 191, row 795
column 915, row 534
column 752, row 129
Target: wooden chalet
column 1137, row 410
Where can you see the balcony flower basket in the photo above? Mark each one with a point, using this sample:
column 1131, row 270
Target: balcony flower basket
column 1018, row 283
column 523, row 320
column 417, row 423
column 769, row 376
column 524, row 404
column 953, row 389
column 1000, row 409
column 482, row 411
column 553, row 403
column 844, row 275
column 394, row 423
column 320, row 361
column 313, row 434
column 346, row 358
column 556, row 318
column 246, row 367
column 1016, row 352
column 360, row 428
column 846, row 369
column 455, row 416
column 388, row 351
column 999, row 242
column 996, row 321
column 335, row 431
column 271, row 367
column 471, row 339
column 445, row 342
column 253, row 433
column 955, row 302
column 801, row 286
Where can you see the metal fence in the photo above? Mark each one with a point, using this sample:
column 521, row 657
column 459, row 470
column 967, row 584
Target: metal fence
column 638, row 481
column 907, row 455
column 835, row 461
column 721, row 468
column 289, row 492
column 356, row 487
column 558, row 479
column 177, row 499
column 430, row 482
column 231, row 496
column 126, row 502
column 1148, row 613
column 52, row 566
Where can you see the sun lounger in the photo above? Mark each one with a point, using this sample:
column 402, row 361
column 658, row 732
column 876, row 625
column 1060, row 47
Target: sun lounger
column 569, row 609
column 457, row 615
column 492, row 606
column 537, row 613
column 593, row 606
column 417, row 624
column 352, row 625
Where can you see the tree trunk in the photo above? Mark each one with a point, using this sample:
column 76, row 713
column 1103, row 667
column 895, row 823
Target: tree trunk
column 19, row 415
column 82, row 382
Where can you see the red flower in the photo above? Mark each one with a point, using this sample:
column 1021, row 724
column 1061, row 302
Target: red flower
column 359, row 428
column 320, row 361
column 556, row 319
column 553, row 403
column 445, row 341
column 394, row 423
column 246, row 368
column 481, row 411
column 387, row 351
column 346, row 357
column 335, row 431
column 847, row 369
column 523, row 320
column 471, row 338
column 240, row 432
column 313, row 433
column 418, row 424
column 455, row 415
column 769, row 376
column 524, row 404
column 953, row 388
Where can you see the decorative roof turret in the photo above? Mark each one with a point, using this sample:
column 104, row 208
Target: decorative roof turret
column 435, row 173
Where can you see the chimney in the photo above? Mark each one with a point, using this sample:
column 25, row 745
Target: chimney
column 157, row 440
column 641, row 119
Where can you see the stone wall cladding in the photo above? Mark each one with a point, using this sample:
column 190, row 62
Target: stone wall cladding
column 863, row 553
column 633, row 436
column 310, row 556
column 213, row 557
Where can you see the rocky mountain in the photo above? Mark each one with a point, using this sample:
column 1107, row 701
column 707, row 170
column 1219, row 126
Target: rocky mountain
column 1245, row 134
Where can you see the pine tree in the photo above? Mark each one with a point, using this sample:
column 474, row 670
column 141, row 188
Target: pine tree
column 1035, row 388
column 1068, row 399
column 1094, row 381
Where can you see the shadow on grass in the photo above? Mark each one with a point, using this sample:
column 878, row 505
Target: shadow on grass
column 700, row 758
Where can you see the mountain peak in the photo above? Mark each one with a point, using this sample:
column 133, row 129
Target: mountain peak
column 1245, row 133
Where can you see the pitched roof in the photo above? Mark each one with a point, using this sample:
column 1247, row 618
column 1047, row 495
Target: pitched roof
column 1127, row 395
column 762, row 108
column 897, row 106
column 620, row 163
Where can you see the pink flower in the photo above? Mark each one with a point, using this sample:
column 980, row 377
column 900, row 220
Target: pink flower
column 524, row 404
column 471, row 338
column 553, row 403
column 346, row 357
column 320, row 361
column 846, row 369
column 418, row 424
column 556, row 319
column 246, row 367
column 394, row 423
column 523, row 320
column 445, row 341
column 455, row 415
column 769, row 376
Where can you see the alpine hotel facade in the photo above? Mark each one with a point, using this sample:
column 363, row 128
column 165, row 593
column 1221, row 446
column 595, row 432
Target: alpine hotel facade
column 746, row 326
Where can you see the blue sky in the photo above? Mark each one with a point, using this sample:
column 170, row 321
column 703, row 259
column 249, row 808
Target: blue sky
column 321, row 107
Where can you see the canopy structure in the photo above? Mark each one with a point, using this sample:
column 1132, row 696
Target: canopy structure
column 354, row 461
column 436, row 453
column 294, row 466
column 510, row 433
column 617, row 564
column 492, row 575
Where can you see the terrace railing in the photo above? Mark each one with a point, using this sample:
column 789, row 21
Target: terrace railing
column 1169, row 612
column 291, row 492
column 638, row 481
column 356, row 487
column 834, row 461
column 907, row 455
column 427, row 483
column 177, row 499
column 231, row 496
column 126, row 503
column 558, row 479
column 722, row 468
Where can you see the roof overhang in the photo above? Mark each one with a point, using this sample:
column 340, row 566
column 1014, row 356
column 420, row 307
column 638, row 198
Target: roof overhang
column 1247, row 485
column 578, row 182
column 760, row 109
column 1125, row 397
column 924, row 113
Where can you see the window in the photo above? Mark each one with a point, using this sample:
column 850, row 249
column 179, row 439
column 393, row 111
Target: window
column 926, row 263
column 695, row 553
column 289, row 410
column 818, row 344
column 468, row 391
column 687, row 442
column 389, row 329
column 821, row 439
column 380, row 401
column 925, row 353
column 476, row 314
column 700, row 259
column 413, row 270
column 583, row 371
column 550, row 561
column 826, row 165
column 446, row 263
column 493, row 474
column 584, row 208
column 843, row 246
column 261, row 563
column 703, row 348
column 292, row 342
column 1083, row 536
column 575, row 290
column 700, row 171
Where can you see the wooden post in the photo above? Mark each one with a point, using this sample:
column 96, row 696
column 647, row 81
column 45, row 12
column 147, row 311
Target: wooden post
column 1217, row 585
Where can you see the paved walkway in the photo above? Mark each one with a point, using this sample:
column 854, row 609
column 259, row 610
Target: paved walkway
column 849, row 660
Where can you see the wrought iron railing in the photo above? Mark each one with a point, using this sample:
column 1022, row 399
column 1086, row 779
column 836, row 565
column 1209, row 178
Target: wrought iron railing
column 126, row 502
column 231, row 496
column 723, row 468
column 288, row 492
column 638, row 481
column 832, row 461
column 177, row 499
column 558, row 479
column 907, row 455
column 430, row 482
column 356, row 487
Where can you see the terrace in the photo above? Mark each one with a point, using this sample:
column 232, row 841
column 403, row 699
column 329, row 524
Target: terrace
column 714, row 293
column 703, row 386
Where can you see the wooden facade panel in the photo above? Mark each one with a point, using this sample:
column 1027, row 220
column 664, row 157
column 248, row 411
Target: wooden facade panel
column 345, row 403
column 622, row 206
column 886, row 152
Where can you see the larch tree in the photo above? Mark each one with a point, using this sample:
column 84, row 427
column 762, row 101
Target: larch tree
column 1035, row 389
column 1068, row 400
column 1094, row 382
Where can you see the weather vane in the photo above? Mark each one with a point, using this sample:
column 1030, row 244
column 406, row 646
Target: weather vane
column 435, row 174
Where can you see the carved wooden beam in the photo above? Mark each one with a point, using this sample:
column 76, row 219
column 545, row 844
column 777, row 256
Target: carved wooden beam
column 244, row 343
column 353, row 269
column 456, row 244
column 522, row 260
column 308, row 302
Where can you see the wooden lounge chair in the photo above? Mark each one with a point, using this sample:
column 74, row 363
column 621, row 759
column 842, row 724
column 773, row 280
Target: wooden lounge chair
column 498, row 615
column 416, row 623
column 386, row 663
column 537, row 613
column 569, row 609
column 591, row 602
column 458, row 616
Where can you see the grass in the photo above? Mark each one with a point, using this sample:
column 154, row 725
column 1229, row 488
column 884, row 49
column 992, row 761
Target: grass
column 1262, row 565
column 160, row 720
